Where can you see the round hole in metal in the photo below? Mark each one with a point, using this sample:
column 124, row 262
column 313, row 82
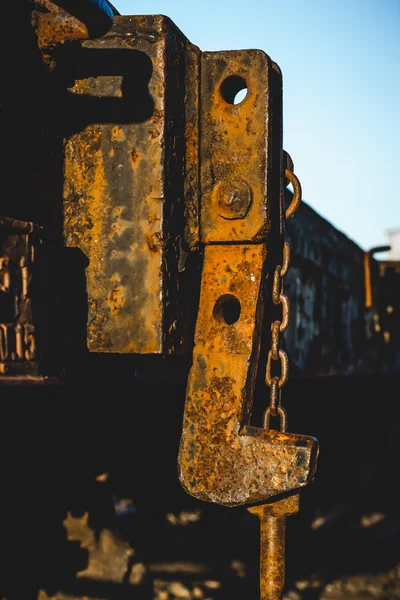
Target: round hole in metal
column 234, row 89
column 227, row 309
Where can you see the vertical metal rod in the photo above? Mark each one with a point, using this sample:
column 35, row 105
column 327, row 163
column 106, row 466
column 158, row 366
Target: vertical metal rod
column 272, row 557
column 367, row 272
column 272, row 544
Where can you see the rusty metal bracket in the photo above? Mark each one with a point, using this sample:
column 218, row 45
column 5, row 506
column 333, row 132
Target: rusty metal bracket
column 130, row 181
column 222, row 458
column 235, row 140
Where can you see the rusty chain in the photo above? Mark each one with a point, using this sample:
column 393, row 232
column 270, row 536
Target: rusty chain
column 276, row 383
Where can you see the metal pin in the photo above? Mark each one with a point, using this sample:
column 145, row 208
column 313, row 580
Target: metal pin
column 272, row 544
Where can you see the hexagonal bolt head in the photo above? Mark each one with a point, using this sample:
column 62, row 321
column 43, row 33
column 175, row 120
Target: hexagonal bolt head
column 231, row 199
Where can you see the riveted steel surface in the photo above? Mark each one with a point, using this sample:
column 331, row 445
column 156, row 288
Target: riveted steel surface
column 124, row 189
column 221, row 458
column 235, row 145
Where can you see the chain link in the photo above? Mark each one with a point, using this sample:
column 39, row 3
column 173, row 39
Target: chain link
column 284, row 368
column 276, row 382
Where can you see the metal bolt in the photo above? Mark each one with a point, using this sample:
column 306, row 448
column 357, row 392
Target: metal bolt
column 232, row 199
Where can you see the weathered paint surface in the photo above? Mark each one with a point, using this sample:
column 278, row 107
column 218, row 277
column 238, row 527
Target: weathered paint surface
column 115, row 190
column 221, row 458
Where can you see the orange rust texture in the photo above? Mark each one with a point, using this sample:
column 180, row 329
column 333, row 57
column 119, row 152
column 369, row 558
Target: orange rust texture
column 192, row 184
column 57, row 28
column 272, row 544
column 221, row 458
column 235, row 142
column 114, row 200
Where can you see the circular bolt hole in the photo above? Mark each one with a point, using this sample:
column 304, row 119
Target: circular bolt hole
column 227, row 309
column 234, row 89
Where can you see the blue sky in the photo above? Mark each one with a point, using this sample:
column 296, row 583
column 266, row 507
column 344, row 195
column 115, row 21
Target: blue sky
column 341, row 87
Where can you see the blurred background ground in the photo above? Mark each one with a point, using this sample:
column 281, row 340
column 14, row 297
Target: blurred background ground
column 92, row 508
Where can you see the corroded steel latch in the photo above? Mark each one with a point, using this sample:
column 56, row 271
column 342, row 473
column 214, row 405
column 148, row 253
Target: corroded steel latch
column 223, row 458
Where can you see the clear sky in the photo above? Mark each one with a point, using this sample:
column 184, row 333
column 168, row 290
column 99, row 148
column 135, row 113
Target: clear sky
column 340, row 61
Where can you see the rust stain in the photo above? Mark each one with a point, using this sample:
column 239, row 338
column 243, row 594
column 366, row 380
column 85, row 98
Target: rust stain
column 152, row 216
column 88, row 186
column 114, row 205
column 192, row 161
column 134, row 156
column 119, row 227
column 118, row 134
column 57, row 28
column 154, row 241
column 116, row 299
